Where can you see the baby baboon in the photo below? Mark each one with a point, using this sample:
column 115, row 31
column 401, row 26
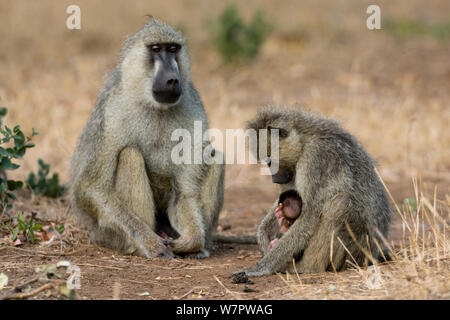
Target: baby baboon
column 288, row 210
column 343, row 200
column 125, row 186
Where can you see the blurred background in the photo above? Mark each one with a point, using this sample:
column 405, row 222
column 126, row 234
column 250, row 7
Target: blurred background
column 388, row 87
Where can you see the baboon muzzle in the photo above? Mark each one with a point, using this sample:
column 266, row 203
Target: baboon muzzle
column 282, row 176
column 167, row 84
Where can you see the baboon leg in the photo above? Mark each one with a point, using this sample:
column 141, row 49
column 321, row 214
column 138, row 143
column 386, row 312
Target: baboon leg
column 133, row 186
column 212, row 201
column 200, row 217
column 317, row 256
column 133, row 190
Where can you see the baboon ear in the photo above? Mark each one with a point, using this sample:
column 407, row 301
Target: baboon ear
column 281, row 131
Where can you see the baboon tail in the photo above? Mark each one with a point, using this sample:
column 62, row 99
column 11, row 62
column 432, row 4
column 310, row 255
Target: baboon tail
column 235, row 239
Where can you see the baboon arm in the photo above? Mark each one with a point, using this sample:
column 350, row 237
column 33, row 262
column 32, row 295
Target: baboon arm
column 186, row 218
column 285, row 249
column 185, row 211
column 267, row 229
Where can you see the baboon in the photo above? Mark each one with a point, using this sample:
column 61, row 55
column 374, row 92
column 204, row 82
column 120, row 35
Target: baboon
column 288, row 210
column 344, row 206
column 124, row 186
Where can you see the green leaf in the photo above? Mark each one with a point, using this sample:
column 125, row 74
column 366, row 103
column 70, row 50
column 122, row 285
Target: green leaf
column 60, row 228
column 14, row 185
column 21, row 222
column 6, row 152
column 31, row 234
column 19, row 139
column 30, row 145
column 10, row 195
column 8, row 165
column 15, row 233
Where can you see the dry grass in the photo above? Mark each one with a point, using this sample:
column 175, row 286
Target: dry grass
column 393, row 95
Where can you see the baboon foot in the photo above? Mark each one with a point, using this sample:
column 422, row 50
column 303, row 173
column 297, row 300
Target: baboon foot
column 187, row 245
column 154, row 250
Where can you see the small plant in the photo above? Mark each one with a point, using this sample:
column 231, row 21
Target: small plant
column 42, row 185
column 236, row 40
column 18, row 144
column 27, row 229
column 20, row 230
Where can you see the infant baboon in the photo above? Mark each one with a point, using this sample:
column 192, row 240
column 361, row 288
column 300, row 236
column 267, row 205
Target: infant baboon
column 125, row 186
column 340, row 191
column 288, row 210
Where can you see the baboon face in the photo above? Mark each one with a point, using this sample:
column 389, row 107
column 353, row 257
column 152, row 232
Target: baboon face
column 155, row 66
column 167, row 86
column 282, row 165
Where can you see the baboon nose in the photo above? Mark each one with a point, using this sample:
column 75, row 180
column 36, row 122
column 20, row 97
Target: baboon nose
column 167, row 89
column 172, row 82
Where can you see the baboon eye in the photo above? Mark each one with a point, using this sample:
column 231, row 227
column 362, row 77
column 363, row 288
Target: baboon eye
column 155, row 48
column 174, row 49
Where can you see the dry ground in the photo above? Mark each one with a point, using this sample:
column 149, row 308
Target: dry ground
column 393, row 94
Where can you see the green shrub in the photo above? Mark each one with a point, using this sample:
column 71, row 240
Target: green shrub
column 236, row 40
column 42, row 185
column 18, row 144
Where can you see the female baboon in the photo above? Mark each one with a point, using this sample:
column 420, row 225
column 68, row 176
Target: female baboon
column 344, row 205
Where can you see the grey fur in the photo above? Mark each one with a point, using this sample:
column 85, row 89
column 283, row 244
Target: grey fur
column 338, row 184
column 124, row 185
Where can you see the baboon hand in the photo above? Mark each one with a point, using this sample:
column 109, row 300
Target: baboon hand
column 272, row 243
column 254, row 271
column 155, row 249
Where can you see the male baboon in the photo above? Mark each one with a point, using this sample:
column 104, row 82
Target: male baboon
column 288, row 210
column 340, row 191
column 125, row 186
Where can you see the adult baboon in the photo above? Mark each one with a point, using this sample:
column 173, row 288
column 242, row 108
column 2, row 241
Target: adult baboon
column 125, row 187
column 343, row 200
